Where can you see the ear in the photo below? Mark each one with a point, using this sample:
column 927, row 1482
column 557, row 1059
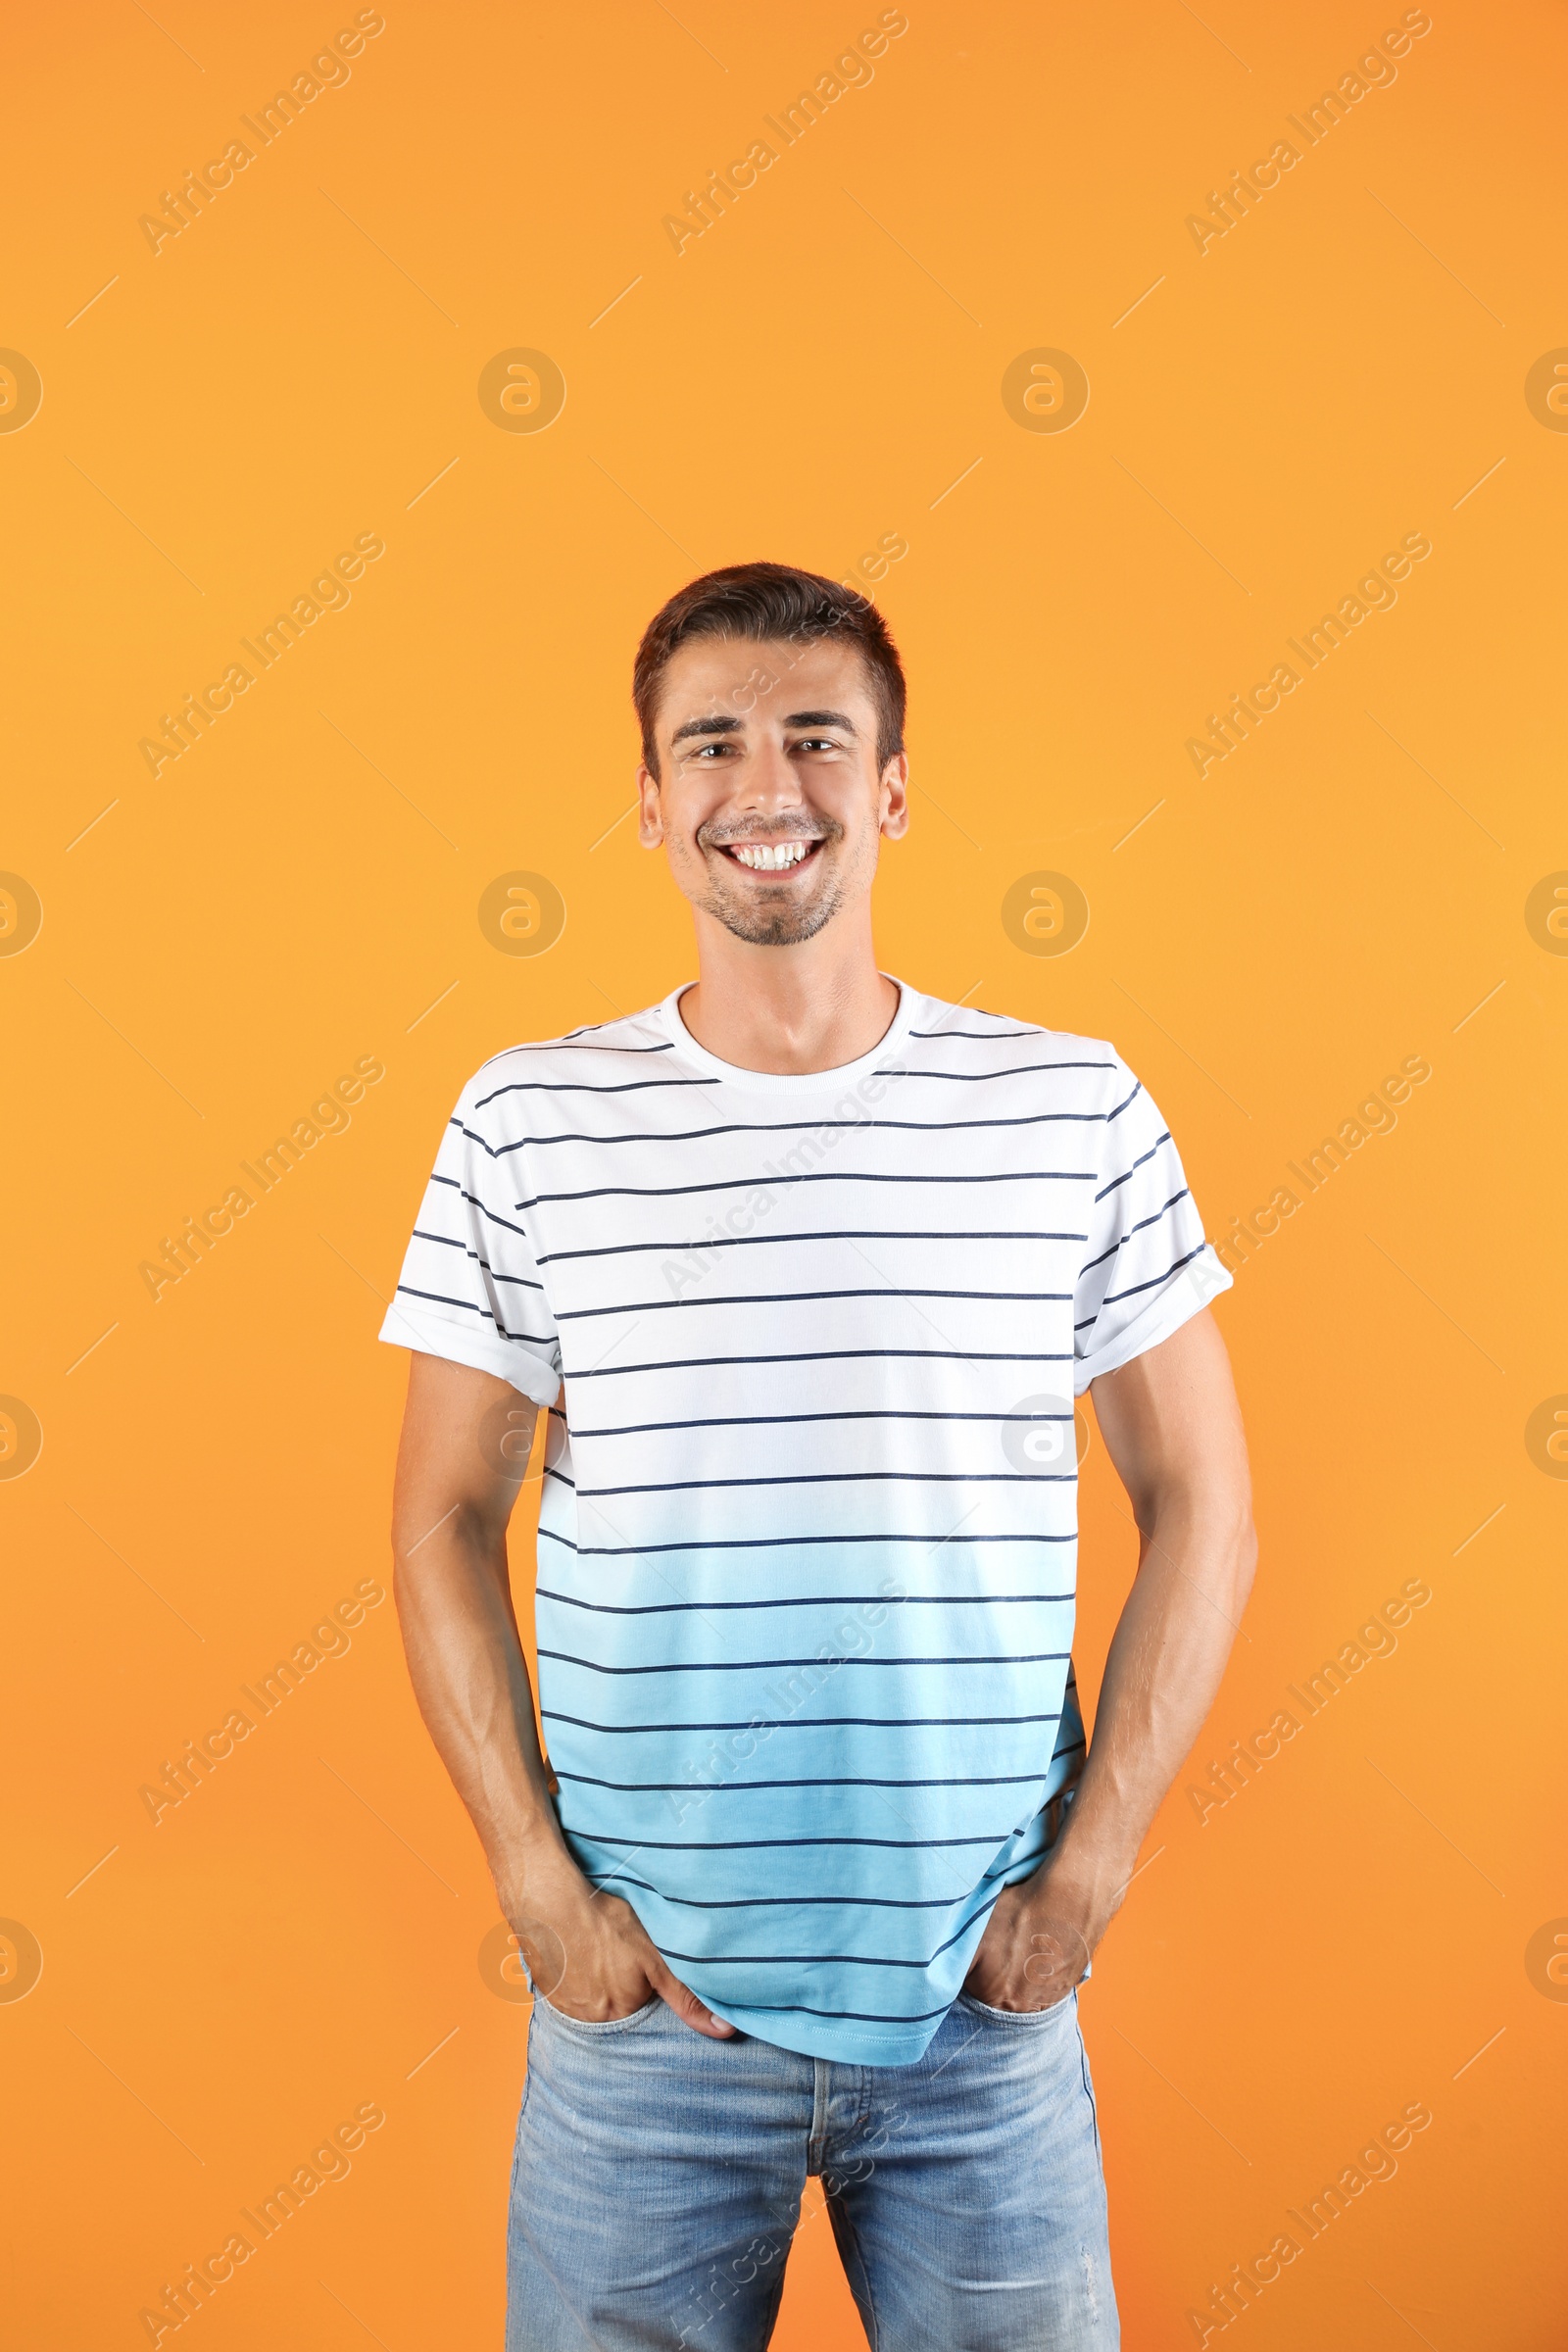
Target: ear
column 894, row 822
column 649, row 810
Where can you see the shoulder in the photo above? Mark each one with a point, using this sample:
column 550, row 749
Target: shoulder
column 964, row 1038
column 608, row 1058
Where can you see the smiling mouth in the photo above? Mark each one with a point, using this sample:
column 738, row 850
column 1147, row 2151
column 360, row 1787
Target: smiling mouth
column 770, row 856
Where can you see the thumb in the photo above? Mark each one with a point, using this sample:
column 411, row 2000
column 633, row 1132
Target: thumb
column 685, row 2004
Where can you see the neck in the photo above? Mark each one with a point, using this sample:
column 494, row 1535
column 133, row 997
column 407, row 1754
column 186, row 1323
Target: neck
column 789, row 1010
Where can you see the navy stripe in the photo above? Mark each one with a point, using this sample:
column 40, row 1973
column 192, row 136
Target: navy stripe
column 581, row 1086
column 755, row 1241
column 1027, row 1069
column 1039, row 1657
column 703, row 1135
column 786, row 1902
column 450, row 1241
column 1132, row 1290
column 792, row 1723
column 553, row 1044
column 1119, row 1181
column 643, row 1428
column 866, row 2017
column 817, row 1355
column 743, row 1845
column 1142, row 1226
column 758, row 1903
column 995, row 1780
column 750, row 1184
column 805, row 1600
column 837, row 1478
column 639, row 1552
column 470, row 1306
column 474, row 1202
column 1112, row 1297
column 651, row 1306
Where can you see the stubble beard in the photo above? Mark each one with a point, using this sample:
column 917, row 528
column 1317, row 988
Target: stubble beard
column 783, row 926
column 790, row 920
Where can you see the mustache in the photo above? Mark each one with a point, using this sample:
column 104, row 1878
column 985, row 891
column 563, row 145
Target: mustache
column 724, row 837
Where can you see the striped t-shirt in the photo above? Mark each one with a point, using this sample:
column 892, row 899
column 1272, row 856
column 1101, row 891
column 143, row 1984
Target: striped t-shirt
column 809, row 1529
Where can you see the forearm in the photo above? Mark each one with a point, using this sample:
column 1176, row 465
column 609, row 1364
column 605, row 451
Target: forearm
column 471, row 1683
column 1173, row 1431
column 1163, row 1669
column 585, row 1947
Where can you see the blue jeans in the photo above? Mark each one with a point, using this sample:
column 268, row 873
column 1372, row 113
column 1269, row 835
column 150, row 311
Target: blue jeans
column 658, row 2179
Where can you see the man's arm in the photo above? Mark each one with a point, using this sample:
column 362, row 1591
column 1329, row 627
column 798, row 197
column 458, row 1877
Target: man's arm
column 587, row 1950
column 1173, row 1430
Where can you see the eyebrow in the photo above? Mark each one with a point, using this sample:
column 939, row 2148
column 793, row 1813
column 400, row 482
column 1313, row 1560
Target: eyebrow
column 717, row 725
column 707, row 726
column 821, row 719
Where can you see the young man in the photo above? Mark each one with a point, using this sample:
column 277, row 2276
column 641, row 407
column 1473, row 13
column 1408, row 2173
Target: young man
column 806, row 1269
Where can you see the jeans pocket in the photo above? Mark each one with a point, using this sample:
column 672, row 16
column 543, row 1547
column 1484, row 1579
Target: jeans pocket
column 597, row 2025
column 1026, row 2019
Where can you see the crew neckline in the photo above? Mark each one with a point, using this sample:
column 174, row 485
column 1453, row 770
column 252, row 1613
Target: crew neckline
column 787, row 1082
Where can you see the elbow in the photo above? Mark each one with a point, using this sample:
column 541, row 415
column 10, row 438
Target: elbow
column 405, row 1539
column 417, row 1549
column 404, row 1573
column 430, row 1545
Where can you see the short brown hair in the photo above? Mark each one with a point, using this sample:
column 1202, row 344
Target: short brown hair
column 761, row 603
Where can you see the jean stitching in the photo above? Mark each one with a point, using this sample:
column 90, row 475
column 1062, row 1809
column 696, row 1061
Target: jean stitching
column 1088, row 2094
column 1015, row 2017
column 861, row 2125
column 600, row 2026
column 527, row 2081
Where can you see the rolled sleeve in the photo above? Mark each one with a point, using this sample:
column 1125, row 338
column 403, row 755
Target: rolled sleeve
column 1148, row 1268
column 471, row 1290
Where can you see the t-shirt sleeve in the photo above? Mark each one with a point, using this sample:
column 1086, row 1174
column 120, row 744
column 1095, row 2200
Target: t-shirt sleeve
column 1147, row 1268
column 470, row 1289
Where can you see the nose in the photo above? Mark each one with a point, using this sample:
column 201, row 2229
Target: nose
column 770, row 785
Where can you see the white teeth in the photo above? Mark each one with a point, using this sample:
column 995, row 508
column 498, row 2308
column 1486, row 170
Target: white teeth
column 770, row 856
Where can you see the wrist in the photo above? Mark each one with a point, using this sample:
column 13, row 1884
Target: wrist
column 533, row 1867
column 1096, row 1848
column 1084, row 1887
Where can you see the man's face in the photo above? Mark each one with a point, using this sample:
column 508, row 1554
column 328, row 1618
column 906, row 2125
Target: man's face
column 769, row 800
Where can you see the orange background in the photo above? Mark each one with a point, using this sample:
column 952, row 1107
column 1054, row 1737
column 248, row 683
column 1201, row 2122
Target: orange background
column 300, row 888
